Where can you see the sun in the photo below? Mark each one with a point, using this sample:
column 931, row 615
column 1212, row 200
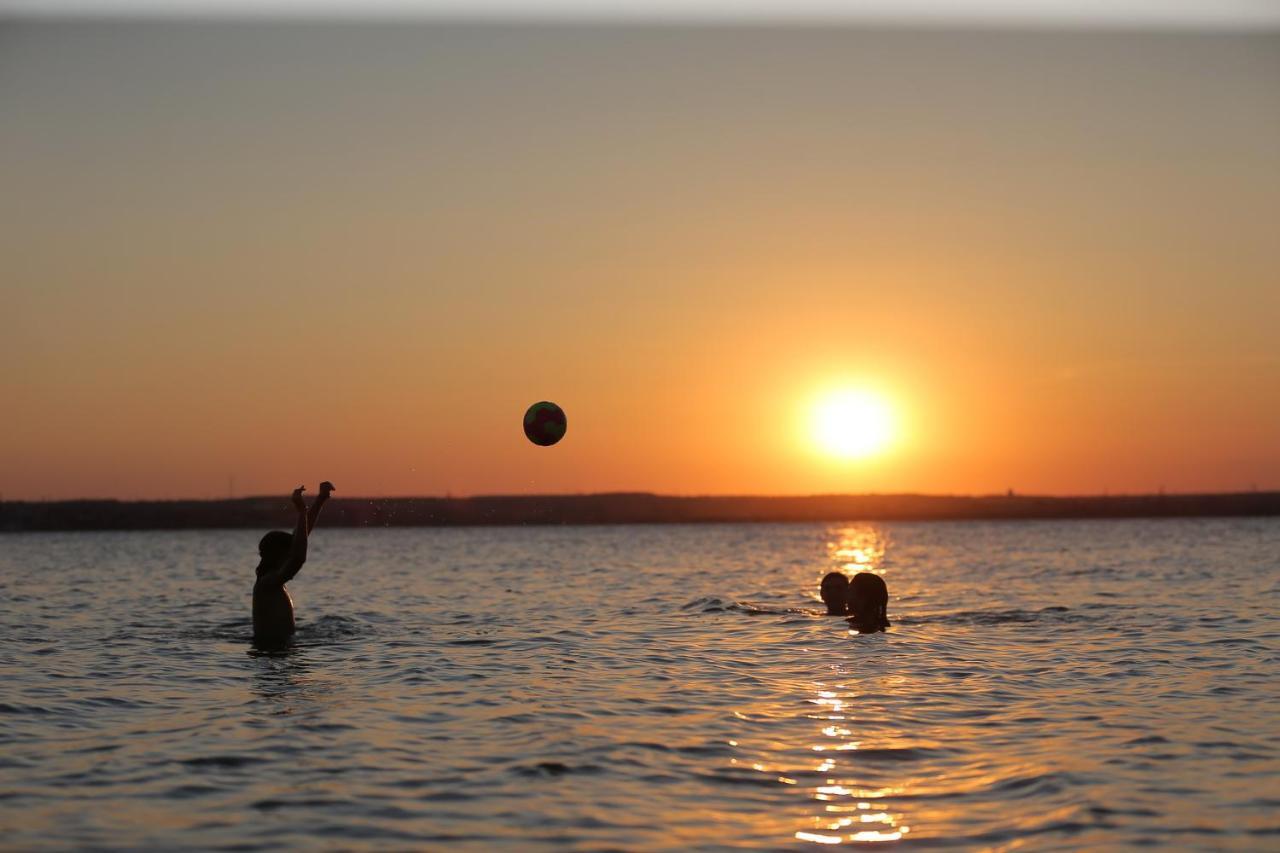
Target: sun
column 853, row 424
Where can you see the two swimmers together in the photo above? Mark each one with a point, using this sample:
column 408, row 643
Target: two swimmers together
column 864, row 599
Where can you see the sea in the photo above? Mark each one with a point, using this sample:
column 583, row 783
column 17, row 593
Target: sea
column 1045, row 685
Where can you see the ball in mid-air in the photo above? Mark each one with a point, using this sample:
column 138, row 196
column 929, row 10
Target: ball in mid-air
column 544, row 423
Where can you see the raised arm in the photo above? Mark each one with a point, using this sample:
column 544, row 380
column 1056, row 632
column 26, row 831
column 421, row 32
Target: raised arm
column 326, row 488
column 297, row 555
column 298, row 552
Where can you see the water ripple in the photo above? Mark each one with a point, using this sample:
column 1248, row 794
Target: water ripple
column 1052, row 685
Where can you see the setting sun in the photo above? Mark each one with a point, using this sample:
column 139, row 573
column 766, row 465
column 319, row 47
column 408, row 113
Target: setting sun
column 852, row 424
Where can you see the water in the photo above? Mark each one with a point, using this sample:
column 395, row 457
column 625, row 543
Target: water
column 1044, row 685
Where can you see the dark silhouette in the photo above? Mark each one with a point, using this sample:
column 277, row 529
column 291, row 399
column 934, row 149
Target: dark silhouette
column 545, row 423
column 835, row 593
column 282, row 555
column 865, row 600
column 868, row 603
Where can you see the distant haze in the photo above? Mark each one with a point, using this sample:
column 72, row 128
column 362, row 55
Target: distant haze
column 1220, row 14
column 240, row 256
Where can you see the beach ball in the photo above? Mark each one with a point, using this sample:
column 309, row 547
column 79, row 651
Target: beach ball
column 544, row 423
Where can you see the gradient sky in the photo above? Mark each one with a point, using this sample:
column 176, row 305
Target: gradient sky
column 271, row 253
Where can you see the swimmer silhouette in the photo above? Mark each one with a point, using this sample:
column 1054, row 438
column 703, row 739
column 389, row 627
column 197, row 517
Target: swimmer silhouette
column 868, row 603
column 282, row 555
column 865, row 600
column 835, row 593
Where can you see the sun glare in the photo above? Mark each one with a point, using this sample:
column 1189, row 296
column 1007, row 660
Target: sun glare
column 852, row 424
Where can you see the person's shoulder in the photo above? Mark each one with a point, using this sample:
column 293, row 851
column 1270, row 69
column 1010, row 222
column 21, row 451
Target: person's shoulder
column 267, row 582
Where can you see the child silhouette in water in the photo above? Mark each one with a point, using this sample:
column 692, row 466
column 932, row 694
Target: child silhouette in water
column 868, row 601
column 282, row 555
column 865, row 600
column 835, row 592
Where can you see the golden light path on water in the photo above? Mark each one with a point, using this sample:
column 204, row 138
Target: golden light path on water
column 834, row 803
column 876, row 765
column 859, row 549
column 844, row 812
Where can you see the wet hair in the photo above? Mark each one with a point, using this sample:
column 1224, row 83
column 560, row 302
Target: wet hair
column 273, row 548
column 834, row 592
column 868, row 602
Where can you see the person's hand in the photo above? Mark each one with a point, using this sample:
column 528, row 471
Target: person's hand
column 297, row 499
column 326, row 488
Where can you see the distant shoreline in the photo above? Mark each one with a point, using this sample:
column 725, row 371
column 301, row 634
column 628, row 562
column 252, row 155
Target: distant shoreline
column 617, row 508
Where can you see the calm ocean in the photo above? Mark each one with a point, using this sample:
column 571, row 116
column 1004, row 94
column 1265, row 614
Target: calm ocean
column 1045, row 685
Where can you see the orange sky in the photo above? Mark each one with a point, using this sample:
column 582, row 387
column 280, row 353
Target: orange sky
column 281, row 253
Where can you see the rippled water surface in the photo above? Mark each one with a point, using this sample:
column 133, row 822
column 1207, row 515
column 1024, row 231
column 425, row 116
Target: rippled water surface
column 1044, row 686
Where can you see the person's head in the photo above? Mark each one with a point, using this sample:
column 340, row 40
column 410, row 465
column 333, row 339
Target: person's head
column 273, row 548
column 868, row 602
column 834, row 592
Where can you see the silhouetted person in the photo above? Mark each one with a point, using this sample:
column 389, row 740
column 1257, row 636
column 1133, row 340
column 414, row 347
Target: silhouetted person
column 282, row 555
column 868, row 603
column 835, row 593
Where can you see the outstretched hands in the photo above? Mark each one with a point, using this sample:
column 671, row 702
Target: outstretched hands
column 306, row 521
column 326, row 489
column 310, row 515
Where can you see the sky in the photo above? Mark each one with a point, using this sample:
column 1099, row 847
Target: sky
column 244, row 255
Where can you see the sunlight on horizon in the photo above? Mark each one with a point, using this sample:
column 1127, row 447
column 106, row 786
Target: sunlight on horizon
column 686, row 247
column 853, row 423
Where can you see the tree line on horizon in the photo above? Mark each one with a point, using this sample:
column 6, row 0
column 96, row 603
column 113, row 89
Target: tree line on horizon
column 615, row 508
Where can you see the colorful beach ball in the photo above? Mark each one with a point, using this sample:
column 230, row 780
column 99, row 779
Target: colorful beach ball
column 544, row 423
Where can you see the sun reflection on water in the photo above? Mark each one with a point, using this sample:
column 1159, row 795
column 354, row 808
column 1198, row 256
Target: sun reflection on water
column 848, row 813
column 858, row 548
column 840, row 795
